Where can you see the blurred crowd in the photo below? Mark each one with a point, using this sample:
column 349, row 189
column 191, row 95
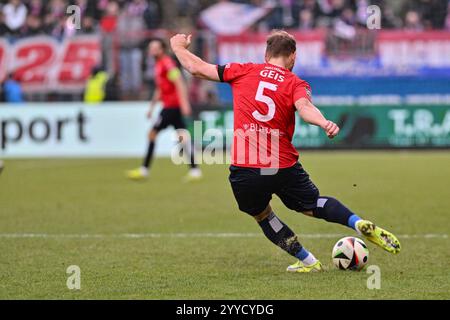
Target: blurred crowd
column 400, row 14
column 31, row 17
column 127, row 25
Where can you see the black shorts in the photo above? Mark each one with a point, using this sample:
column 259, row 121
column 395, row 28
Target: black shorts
column 254, row 191
column 169, row 117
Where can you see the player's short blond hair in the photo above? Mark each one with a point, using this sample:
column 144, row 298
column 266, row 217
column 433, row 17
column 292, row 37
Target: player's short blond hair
column 280, row 43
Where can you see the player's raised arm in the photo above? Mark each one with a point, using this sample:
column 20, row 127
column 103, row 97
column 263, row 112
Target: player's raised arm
column 312, row 115
column 193, row 64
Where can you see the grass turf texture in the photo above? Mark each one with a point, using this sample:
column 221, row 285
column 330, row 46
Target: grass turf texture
column 406, row 192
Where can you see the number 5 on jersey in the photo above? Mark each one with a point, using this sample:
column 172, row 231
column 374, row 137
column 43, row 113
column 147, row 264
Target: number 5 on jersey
column 265, row 99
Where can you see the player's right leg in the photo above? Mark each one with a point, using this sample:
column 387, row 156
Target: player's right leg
column 332, row 210
column 300, row 194
column 194, row 173
column 253, row 194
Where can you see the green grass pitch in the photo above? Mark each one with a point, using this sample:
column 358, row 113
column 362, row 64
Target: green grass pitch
column 164, row 239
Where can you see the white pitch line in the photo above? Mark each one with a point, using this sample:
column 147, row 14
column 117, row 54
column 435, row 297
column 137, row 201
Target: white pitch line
column 195, row 235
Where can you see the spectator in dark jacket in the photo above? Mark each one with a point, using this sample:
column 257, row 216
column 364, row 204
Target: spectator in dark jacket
column 152, row 15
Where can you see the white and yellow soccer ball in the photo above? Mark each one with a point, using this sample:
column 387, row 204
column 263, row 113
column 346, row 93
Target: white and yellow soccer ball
column 350, row 253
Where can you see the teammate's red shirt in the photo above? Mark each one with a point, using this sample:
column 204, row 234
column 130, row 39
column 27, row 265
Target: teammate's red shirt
column 264, row 113
column 168, row 91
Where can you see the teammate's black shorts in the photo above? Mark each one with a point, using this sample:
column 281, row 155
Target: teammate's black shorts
column 254, row 191
column 169, row 117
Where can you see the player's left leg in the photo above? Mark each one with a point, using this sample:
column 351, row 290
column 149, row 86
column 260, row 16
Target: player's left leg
column 282, row 236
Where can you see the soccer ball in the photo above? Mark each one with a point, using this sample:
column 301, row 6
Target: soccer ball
column 350, row 253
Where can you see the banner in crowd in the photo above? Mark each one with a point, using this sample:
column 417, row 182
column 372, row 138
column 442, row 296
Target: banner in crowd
column 384, row 53
column 44, row 64
column 217, row 17
column 120, row 130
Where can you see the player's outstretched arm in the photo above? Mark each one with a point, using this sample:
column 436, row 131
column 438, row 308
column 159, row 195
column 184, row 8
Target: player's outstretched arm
column 193, row 64
column 312, row 115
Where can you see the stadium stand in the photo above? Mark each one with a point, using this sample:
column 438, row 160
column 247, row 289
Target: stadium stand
column 126, row 26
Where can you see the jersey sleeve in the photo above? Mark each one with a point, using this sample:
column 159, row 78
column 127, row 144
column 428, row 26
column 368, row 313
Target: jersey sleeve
column 232, row 71
column 302, row 89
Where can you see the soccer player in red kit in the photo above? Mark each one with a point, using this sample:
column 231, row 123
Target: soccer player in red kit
column 171, row 91
column 264, row 162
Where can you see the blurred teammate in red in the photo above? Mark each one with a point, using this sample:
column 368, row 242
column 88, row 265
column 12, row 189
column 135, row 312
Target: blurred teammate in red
column 264, row 162
column 172, row 93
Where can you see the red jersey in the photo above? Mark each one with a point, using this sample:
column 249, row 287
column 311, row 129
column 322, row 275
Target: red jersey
column 165, row 70
column 264, row 113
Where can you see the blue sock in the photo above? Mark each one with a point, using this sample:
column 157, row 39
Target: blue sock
column 306, row 257
column 302, row 254
column 353, row 220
